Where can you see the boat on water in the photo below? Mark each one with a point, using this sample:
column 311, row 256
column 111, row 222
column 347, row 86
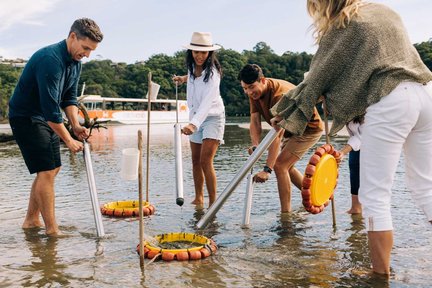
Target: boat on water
column 134, row 110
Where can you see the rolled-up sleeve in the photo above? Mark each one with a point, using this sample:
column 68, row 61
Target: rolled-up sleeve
column 296, row 108
column 354, row 130
column 71, row 94
column 49, row 77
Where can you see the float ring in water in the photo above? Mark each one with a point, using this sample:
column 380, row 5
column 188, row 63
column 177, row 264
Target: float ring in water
column 128, row 208
column 205, row 247
column 320, row 179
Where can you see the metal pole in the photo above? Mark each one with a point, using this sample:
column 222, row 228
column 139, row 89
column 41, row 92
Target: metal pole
column 140, row 201
column 214, row 208
column 248, row 200
column 178, row 155
column 178, row 164
column 83, row 89
column 148, row 135
column 93, row 192
column 328, row 142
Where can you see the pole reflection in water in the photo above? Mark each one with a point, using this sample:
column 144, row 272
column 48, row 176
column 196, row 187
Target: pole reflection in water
column 46, row 268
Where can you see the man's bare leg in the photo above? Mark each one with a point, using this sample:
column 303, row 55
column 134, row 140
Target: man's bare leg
column 32, row 219
column 283, row 165
column 43, row 196
column 296, row 177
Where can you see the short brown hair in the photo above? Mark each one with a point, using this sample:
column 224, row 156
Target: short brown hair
column 85, row 27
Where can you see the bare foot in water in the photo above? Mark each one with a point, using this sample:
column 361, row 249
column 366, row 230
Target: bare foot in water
column 198, row 202
column 57, row 234
column 356, row 207
column 355, row 210
column 34, row 224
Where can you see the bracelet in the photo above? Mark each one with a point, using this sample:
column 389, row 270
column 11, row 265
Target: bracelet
column 267, row 169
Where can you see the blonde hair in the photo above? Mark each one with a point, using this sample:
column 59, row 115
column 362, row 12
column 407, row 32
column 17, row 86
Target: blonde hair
column 327, row 14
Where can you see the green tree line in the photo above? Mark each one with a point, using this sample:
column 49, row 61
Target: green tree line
column 109, row 79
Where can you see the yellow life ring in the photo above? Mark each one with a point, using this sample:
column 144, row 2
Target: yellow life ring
column 205, row 248
column 128, row 208
column 320, row 179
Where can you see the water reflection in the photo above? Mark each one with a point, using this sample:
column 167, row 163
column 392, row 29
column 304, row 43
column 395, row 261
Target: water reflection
column 46, row 268
column 357, row 252
column 295, row 250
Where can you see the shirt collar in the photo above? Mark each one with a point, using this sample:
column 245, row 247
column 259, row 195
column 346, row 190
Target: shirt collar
column 65, row 54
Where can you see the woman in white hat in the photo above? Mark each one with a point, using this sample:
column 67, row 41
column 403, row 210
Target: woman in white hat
column 207, row 112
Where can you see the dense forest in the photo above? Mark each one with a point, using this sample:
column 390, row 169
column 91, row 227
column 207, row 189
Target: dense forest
column 110, row 79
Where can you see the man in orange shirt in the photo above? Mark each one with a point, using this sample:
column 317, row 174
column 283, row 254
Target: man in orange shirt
column 263, row 93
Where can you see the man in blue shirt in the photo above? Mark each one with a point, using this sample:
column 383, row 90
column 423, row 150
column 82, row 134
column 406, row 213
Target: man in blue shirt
column 47, row 85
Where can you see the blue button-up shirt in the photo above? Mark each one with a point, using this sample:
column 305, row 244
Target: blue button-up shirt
column 48, row 83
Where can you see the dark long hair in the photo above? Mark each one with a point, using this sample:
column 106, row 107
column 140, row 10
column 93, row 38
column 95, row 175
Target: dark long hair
column 210, row 62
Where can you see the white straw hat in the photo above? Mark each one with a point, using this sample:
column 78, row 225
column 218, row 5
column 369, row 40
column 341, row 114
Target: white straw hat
column 202, row 41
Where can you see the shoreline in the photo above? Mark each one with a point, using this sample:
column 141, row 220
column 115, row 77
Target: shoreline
column 6, row 132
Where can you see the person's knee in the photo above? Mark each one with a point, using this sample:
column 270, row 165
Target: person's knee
column 279, row 167
column 196, row 161
column 206, row 164
column 282, row 165
column 48, row 175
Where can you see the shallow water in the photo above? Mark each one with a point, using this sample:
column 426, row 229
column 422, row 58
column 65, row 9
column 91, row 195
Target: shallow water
column 298, row 250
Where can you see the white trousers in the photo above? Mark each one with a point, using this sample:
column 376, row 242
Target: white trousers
column 400, row 121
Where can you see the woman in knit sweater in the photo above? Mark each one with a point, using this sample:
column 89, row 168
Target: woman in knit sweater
column 365, row 63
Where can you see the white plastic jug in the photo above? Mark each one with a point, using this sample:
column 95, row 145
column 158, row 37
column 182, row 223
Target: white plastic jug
column 154, row 91
column 129, row 164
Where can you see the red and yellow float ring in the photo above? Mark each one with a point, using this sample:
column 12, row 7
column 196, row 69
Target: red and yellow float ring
column 320, row 179
column 128, row 208
column 205, row 248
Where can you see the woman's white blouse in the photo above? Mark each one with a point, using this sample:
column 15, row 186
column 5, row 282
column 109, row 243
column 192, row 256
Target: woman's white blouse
column 354, row 130
column 203, row 98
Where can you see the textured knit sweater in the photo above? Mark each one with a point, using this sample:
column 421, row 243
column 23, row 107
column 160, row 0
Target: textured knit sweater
column 354, row 67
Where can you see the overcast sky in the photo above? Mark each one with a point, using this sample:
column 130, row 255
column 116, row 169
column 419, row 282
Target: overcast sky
column 134, row 30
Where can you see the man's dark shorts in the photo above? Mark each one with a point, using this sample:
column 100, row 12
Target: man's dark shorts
column 38, row 143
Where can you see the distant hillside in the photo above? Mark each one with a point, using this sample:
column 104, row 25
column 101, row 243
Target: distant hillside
column 110, row 79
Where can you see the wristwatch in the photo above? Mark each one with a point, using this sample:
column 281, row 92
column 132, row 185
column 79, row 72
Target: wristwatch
column 267, row 169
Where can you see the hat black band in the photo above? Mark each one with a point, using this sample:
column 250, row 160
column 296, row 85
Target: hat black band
column 201, row 45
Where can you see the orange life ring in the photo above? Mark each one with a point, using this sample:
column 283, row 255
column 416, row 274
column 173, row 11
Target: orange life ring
column 128, row 208
column 183, row 107
column 206, row 248
column 320, row 179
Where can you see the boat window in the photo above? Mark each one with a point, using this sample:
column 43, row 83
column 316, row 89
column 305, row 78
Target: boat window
column 132, row 106
column 93, row 105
